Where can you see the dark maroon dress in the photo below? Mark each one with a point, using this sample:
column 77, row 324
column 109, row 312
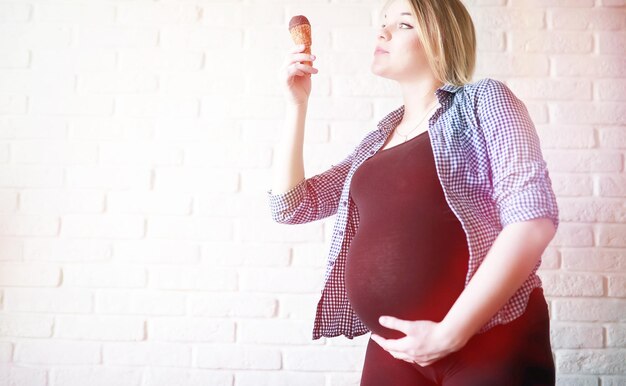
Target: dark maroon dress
column 409, row 256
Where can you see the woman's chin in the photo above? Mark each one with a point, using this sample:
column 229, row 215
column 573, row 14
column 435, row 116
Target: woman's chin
column 377, row 69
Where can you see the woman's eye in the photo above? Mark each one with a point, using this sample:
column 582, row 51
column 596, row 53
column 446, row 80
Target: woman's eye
column 383, row 26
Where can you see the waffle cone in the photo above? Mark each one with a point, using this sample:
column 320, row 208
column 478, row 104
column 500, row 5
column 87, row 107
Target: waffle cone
column 301, row 34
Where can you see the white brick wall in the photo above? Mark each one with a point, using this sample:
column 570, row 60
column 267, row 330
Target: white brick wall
column 136, row 139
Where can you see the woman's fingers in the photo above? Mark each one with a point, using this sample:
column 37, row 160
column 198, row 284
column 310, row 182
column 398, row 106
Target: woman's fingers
column 294, row 65
column 305, row 67
column 296, row 55
column 294, row 58
column 302, row 57
column 293, row 70
column 301, row 69
column 297, row 48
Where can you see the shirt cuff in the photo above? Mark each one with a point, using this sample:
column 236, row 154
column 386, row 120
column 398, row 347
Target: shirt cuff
column 529, row 204
column 285, row 202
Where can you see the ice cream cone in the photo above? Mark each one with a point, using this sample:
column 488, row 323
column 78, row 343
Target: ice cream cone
column 300, row 30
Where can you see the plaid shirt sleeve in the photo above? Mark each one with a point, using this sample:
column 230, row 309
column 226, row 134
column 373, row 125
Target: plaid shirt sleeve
column 522, row 189
column 313, row 198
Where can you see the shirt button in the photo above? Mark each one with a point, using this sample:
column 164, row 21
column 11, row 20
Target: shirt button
column 332, row 262
column 344, row 203
column 372, row 152
column 340, row 233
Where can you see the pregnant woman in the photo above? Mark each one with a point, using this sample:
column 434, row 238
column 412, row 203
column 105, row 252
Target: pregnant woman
column 409, row 256
column 442, row 214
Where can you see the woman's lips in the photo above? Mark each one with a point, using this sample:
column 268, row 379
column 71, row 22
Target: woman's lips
column 379, row 51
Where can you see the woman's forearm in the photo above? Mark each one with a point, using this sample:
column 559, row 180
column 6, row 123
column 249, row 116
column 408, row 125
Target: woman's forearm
column 509, row 262
column 288, row 163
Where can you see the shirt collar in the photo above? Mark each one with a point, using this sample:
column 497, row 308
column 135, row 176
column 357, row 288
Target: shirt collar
column 391, row 120
column 449, row 87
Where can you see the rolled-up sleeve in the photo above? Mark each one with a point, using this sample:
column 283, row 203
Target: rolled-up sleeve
column 313, row 198
column 522, row 188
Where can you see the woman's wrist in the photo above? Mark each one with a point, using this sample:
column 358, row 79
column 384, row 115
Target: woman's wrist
column 454, row 335
column 298, row 105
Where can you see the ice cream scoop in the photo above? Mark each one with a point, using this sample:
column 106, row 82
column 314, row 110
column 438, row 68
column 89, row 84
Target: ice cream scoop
column 300, row 30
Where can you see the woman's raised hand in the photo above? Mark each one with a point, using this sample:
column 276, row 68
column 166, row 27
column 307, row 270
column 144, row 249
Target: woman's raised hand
column 296, row 76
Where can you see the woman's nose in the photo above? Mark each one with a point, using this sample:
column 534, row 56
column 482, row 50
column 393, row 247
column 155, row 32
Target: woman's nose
column 382, row 33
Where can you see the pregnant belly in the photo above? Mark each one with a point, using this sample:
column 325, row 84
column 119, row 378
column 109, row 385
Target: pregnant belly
column 399, row 274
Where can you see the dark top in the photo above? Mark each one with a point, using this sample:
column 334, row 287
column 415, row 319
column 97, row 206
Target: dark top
column 409, row 256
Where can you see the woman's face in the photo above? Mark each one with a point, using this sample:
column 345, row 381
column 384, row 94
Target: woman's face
column 405, row 59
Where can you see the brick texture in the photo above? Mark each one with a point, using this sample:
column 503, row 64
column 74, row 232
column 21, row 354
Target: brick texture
column 136, row 145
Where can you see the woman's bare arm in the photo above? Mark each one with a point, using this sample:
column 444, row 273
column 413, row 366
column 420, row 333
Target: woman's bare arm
column 509, row 262
column 288, row 163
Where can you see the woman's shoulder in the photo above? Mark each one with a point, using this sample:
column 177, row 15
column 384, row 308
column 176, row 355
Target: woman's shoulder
column 489, row 93
column 490, row 87
column 479, row 92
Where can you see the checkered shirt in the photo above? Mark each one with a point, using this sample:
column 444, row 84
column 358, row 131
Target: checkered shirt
column 490, row 166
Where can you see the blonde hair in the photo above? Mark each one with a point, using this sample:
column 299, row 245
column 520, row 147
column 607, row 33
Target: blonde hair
column 446, row 32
